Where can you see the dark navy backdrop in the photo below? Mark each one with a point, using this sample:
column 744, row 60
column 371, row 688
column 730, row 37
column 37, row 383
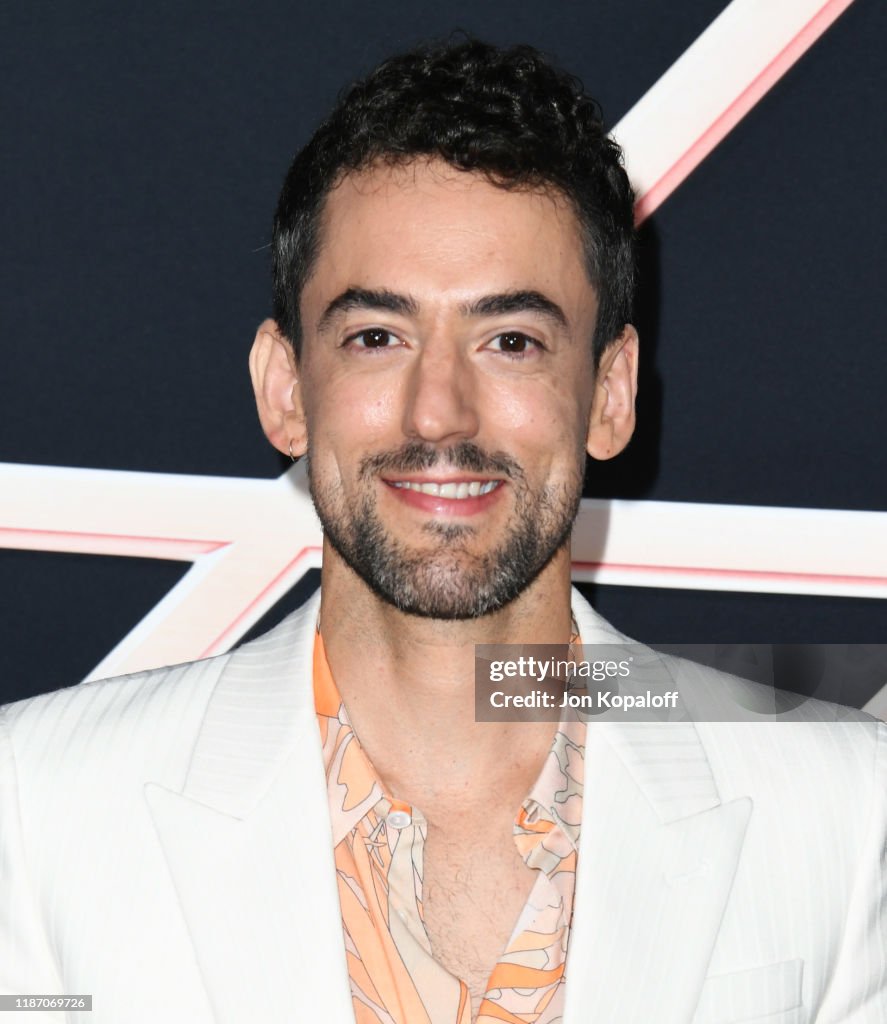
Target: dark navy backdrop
column 143, row 154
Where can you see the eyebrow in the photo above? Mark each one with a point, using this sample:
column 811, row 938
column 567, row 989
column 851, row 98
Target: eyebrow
column 498, row 304
column 517, row 302
column 367, row 298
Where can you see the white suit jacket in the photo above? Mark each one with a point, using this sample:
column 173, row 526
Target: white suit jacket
column 165, row 846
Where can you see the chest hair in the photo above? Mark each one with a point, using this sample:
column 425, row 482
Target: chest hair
column 473, row 893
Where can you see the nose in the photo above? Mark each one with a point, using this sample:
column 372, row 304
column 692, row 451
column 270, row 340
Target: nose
column 440, row 403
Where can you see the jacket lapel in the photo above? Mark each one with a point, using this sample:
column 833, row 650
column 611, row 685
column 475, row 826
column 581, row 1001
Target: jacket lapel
column 248, row 841
column 249, row 849
column 657, row 858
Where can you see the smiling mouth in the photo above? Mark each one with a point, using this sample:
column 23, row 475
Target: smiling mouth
column 451, row 490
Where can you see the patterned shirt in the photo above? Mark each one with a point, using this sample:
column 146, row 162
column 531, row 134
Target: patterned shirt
column 379, row 843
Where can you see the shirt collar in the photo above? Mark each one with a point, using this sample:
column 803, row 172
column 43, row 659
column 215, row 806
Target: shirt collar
column 354, row 787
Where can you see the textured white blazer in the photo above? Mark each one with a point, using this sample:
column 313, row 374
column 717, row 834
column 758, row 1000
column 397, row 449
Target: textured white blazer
column 165, row 846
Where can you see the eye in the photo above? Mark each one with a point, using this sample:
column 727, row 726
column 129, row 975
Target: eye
column 515, row 344
column 372, row 337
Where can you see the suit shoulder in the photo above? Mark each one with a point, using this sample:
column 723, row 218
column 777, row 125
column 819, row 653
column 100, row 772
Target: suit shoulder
column 721, row 696
column 145, row 719
column 750, row 728
column 122, row 712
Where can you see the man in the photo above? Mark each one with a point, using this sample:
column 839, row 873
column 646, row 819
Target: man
column 315, row 828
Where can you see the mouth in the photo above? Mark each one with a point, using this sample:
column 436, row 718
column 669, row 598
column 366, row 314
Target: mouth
column 467, row 496
column 454, row 490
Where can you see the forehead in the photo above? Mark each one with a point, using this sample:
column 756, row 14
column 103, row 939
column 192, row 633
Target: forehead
column 439, row 233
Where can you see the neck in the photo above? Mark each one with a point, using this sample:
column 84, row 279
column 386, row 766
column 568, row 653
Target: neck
column 408, row 685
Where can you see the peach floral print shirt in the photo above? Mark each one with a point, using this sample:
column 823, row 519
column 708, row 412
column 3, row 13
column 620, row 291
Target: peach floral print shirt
column 379, row 842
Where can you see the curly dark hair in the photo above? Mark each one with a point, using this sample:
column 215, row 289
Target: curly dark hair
column 505, row 113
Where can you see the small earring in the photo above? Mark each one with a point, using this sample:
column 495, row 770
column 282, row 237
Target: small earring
column 292, row 457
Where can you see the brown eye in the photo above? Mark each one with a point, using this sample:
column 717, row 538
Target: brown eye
column 375, row 337
column 514, row 343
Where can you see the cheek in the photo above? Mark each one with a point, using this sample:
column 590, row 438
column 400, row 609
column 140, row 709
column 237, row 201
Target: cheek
column 544, row 417
column 348, row 418
column 377, row 409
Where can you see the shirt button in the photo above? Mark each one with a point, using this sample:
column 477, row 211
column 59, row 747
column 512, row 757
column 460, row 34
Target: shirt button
column 398, row 819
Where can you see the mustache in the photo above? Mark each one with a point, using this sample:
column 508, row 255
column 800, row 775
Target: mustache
column 414, row 457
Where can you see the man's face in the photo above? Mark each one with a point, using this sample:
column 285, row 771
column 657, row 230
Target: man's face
column 446, row 381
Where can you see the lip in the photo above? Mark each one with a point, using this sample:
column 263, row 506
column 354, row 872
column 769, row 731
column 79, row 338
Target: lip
column 437, row 504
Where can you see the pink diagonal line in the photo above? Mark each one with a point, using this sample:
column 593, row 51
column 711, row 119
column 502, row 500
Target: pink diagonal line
column 727, row 121
column 105, row 543
column 232, row 631
column 752, row 574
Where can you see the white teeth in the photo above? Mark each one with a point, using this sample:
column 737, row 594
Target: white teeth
column 449, row 490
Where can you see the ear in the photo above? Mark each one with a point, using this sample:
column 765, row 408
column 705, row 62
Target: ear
column 275, row 376
column 612, row 419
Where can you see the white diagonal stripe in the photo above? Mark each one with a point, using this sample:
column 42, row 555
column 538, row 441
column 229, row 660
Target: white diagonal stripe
column 712, row 85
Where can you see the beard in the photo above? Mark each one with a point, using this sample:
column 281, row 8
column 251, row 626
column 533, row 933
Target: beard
column 446, row 580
